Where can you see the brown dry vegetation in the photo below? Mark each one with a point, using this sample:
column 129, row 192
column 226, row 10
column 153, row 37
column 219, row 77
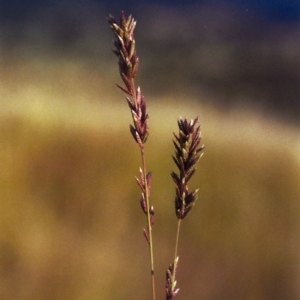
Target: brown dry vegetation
column 71, row 226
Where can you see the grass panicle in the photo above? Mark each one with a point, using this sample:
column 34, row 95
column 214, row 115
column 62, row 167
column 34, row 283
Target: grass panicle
column 187, row 145
column 124, row 43
column 187, row 154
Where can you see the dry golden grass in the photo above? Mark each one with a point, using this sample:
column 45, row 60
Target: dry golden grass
column 70, row 226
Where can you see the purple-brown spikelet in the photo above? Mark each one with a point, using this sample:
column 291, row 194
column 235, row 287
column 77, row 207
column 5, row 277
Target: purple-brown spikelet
column 140, row 130
column 171, row 290
column 187, row 154
column 141, row 183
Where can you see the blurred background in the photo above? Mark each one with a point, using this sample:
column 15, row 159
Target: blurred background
column 71, row 225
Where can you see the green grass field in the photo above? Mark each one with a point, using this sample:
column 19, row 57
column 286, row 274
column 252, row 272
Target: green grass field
column 71, row 225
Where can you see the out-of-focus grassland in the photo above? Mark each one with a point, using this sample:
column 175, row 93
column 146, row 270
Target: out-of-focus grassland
column 70, row 222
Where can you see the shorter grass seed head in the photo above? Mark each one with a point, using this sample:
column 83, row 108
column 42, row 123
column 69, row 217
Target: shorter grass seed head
column 187, row 154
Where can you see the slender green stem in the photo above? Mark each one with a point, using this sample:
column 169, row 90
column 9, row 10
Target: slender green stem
column 175, row 254
column 134, row 92
column 149, row 224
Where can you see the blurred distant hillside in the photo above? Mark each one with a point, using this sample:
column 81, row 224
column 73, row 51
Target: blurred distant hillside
column 221, row 53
